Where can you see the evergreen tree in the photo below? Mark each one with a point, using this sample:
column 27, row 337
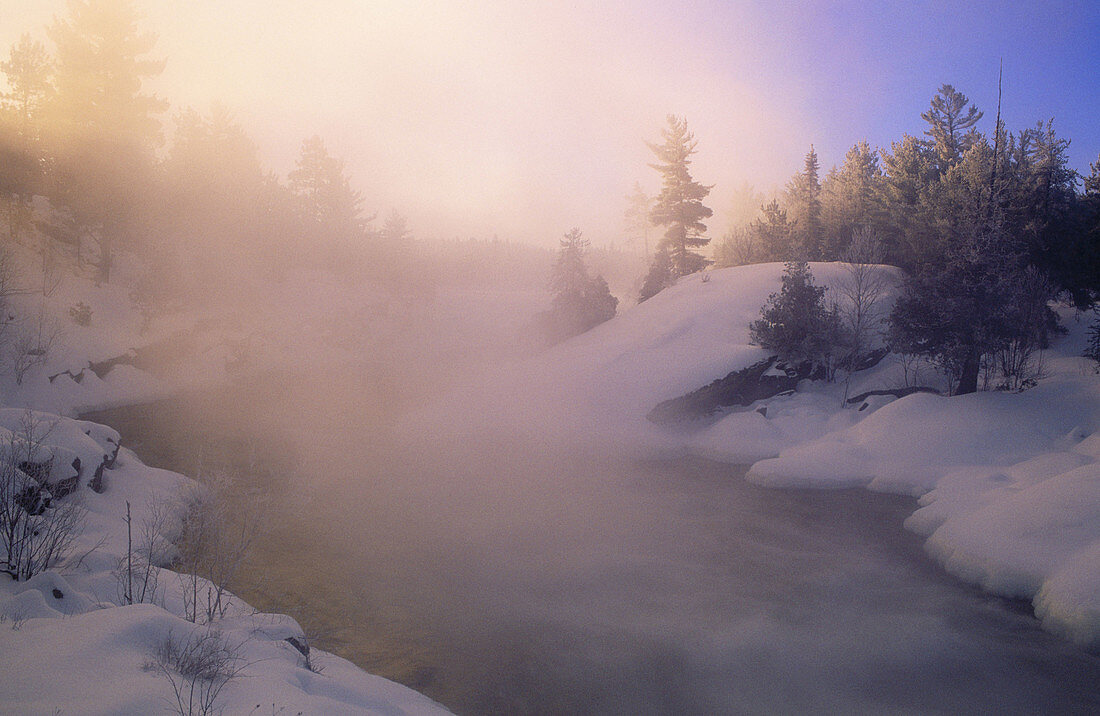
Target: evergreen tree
column 330, row 207
column 103, row 128
column 976, row 304
column 21, row 158
column 948, row 120
column 679, row 206
column 803, row 201
column 849, row 199
column 795, row 323
column 28, row 70
column 908, row 174
column 579, row 302
column 660, row 275
column 772, row 233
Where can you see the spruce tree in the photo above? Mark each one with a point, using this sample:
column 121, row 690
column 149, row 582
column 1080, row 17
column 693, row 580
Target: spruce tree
column 804, row 205
column 796, row 323
column 103, row 128
column 679, row 206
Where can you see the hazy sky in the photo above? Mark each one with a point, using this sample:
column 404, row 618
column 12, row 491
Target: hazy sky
column 524, row 118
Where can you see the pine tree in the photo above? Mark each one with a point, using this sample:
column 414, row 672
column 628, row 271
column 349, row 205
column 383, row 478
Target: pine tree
column 772, row 233
column 329, row 205
column 978, row 303
column 948, row 120
column 907, row 177
column 21, row 158
column 849, row 199
column 28, row 70
column 579, row 302
column 679, row 206
column 803, row 202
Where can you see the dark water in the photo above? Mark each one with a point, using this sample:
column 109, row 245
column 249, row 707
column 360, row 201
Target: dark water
column 517, row 578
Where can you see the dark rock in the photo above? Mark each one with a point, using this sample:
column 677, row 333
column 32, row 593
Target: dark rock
column 77, row 377
column 64, row 487
column 58, row 594
column 300, row 644
column 103, row 367
column 33, row 499
column 763, row 410
column 896, row 392
column 37, row 471
column 741, row 387
column 98, row 483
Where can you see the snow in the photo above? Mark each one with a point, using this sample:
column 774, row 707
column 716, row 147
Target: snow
column 68, row 646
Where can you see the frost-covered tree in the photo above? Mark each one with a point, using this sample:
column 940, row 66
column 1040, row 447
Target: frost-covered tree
column 772, row 233
column 679, row 206
column 103, row 127
column 978, row 303
column 849, row 199
column 330, row 206
column 948, row 120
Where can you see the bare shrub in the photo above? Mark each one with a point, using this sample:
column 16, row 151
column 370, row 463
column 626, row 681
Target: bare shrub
column 137, row 574
column 30, row 347
column 37, row 531
column 861, row 289
column 217, row 533
column 198, row 667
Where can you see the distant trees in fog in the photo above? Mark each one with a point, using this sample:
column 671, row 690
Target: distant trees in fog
column 580, row 302
column 79, row 127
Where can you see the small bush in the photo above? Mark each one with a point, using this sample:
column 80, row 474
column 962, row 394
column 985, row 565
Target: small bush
column 198, row 668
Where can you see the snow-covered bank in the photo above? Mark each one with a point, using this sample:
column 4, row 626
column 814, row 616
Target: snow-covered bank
column 69, row 643
column 1009, row 483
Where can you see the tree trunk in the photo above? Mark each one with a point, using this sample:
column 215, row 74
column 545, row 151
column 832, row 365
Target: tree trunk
column 968, row 378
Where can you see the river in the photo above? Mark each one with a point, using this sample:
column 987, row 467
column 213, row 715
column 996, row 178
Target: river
column 499, row 578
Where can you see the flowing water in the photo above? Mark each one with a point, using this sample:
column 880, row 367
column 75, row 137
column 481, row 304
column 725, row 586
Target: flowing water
column 523, row 578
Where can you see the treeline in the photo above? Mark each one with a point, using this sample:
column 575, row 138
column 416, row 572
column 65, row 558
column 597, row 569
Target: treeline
column 990, row 229
column 89, row 167
column 925, row 193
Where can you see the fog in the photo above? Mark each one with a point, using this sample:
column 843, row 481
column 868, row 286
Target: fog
column 473, row 119
column 453, row 502
column 503, row 565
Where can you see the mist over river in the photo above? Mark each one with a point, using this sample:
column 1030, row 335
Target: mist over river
column 506, row 577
